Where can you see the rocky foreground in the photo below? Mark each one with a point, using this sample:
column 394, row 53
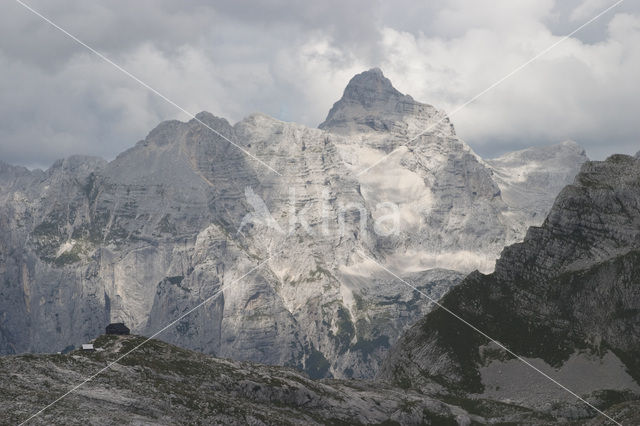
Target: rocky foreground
column 163, row 384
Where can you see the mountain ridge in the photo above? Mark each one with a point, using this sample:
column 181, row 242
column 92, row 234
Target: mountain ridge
column 566, row 299
column 150, row 234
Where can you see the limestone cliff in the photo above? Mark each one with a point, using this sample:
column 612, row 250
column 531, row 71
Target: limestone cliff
column 145, row 237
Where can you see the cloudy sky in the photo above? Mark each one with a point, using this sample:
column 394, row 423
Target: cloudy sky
column 292, row 59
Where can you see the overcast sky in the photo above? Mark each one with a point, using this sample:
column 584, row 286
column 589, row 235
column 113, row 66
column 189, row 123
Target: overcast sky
column 292, row 59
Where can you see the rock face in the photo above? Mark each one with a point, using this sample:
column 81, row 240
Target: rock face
column 567, row 299
column 184, row 214
column 527, row 177
column 456, row 210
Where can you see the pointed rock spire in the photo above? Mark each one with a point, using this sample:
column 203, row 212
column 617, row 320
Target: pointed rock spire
column 370, row 89
column 371, row 103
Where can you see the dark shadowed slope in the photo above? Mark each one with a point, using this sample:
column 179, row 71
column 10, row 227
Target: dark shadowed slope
column 567, row 299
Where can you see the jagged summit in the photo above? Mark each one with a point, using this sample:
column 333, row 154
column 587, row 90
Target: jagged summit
column 371, row 87
column 557, row 152
column 572, row 144
column 74, row 162
column 371, row 103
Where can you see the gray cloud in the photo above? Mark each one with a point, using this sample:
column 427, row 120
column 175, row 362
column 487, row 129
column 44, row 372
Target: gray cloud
column 292, row 59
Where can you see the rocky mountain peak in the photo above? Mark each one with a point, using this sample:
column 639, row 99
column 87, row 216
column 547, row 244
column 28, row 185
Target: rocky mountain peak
column 370, row 103
column 6, row 168
column 571, row 144
column 76, row 165
column 371, row 87
column 218, row 123
column 169, row 131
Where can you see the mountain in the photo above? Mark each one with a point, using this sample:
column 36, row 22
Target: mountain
column 527, row 177
column 185, row 213
column 566, row 299
column 164, row 384
column 370, row 104
column 456, row 210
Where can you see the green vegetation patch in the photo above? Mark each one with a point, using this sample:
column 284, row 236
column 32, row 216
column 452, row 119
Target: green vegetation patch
column 46, row 229
column 368, row 346
column 346, row 330
column 71, row 256
column 317, row 365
